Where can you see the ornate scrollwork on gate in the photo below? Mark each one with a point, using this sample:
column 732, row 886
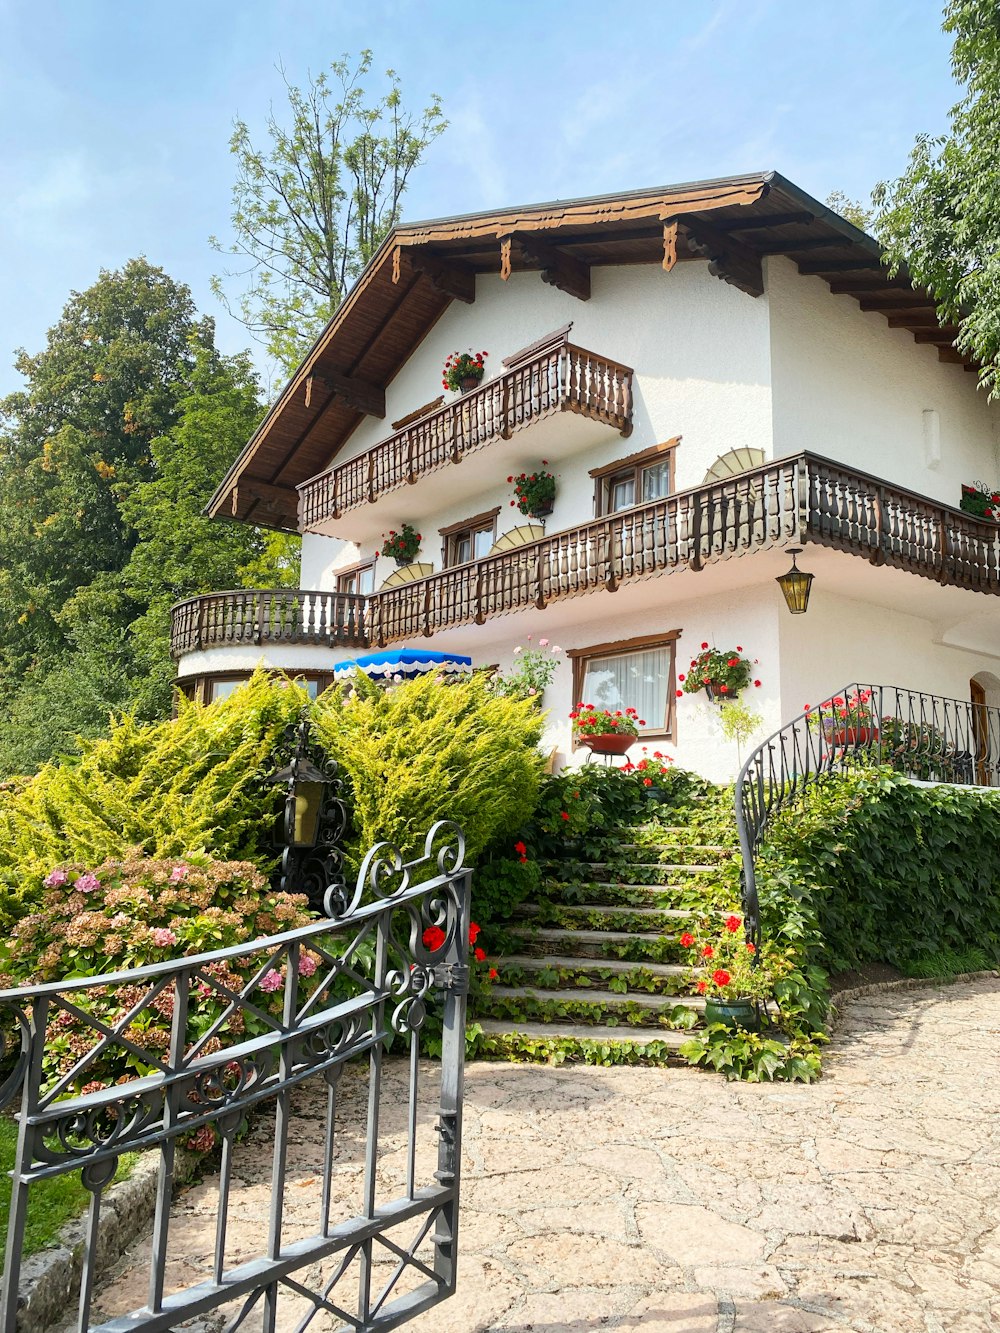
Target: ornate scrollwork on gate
column 216, row 1036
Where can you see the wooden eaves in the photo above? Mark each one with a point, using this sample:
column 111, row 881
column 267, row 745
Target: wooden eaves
column 731, row 224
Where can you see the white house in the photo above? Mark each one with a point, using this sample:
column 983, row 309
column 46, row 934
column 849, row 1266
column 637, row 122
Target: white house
column 716, row 373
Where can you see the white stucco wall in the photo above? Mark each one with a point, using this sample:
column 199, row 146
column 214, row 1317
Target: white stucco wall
column 846, row 386
column 843, row 639
column 699, row 348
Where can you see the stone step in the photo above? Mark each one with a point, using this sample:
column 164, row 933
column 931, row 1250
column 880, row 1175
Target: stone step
column 560, row 1032
column 604, row 1003
column 608, row 894
column 616, row 966
column 661, row 867
column 641, row 947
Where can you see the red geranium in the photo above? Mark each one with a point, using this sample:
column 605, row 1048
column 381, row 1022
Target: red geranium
column 687, row 939
column 720, row 977
column 434, row 938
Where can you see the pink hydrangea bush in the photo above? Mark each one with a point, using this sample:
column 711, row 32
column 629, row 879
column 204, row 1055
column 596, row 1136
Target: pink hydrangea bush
column 126, row 914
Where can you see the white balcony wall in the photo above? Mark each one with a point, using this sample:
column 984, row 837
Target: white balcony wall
column 846, row 386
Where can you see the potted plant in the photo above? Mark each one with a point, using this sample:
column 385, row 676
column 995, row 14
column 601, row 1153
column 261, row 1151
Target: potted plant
column 721, row 674
column 531, row 672
column 980, row 502
column 603, row 731
column 464, row 371
column 848, row 719
column 403, row 546
column 535, row 492
column 726, row 970
column 653, row 776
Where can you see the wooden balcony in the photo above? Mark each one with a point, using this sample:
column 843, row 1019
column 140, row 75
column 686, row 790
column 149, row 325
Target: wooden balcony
column 799, row 499
column 561, row 378
column 280, row 615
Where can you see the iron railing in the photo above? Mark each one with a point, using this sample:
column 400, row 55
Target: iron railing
column 240, row 1029
column 563, row 378
column 924, row 736
column 789, row 501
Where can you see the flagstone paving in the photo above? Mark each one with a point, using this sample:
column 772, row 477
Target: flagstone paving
column 669, row 1201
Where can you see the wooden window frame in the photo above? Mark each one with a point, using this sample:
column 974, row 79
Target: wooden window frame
column 667, row 729
column 199, row 687
column 342, row 574
column 636, row 464
column 484, row 522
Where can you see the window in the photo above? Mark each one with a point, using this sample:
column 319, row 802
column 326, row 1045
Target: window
column 636, row 480
column 469, row 540
column 358, row 579
column 633, row 673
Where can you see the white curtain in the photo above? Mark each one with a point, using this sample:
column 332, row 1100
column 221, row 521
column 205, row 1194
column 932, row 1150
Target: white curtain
column 634, row 680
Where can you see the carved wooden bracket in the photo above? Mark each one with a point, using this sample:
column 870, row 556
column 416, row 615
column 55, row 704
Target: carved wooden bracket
column 728, row 258
column 669, row 244
column 362, row 395
column 557, row 268
column 454, row 280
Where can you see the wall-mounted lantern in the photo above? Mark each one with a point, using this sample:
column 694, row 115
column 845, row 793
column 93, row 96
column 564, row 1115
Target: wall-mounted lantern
column 313, row 818
column 795, row 586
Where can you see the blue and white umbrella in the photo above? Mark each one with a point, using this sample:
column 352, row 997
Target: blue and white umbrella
column 405, row 663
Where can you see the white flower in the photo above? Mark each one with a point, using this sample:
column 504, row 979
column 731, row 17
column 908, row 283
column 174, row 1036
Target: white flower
column 556, row 648
column 518, row 649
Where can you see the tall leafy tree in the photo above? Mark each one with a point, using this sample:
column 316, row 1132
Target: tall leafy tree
column 76, row 441
column 312, row 207
column 179, row 552
column 128, row 419
column 940, row 217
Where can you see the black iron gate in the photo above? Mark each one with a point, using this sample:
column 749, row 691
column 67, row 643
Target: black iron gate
column 348, row 986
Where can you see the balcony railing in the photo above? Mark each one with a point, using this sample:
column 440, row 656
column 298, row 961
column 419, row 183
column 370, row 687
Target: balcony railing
column 798, row 499
column 282, row 615
column 563, row 378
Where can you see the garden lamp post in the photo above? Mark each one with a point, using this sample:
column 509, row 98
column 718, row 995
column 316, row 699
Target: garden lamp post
column 795, row 586
column 313, row 819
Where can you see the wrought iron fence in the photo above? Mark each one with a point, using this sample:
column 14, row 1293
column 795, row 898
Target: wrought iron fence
column 206, row 1039
column 924, row 736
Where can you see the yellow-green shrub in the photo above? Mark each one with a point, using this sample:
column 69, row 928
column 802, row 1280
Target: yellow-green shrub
column 167, row 789
column 426, row 751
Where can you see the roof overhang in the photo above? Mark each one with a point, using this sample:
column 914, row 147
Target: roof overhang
column 421, row 268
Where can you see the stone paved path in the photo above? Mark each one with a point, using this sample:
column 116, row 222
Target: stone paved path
column 672, row 1202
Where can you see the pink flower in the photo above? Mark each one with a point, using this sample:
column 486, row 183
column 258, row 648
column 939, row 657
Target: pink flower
column 178, row 873
column 272, row 981
column 87, row 883
column 162, row 937
column 543, row 643
column 307, row 965
column 55, row 878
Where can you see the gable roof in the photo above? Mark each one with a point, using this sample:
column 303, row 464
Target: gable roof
column 422, row 267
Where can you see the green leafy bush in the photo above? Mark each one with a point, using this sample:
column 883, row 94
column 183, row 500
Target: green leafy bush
column 502, row 883
column 427, row 750
column 871, row 867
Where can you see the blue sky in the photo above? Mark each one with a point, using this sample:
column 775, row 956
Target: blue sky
column 116, row 114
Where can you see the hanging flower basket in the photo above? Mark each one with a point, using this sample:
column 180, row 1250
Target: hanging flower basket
column 534, row 492
column 402, row 546
column 464, row 371
column 722, row 673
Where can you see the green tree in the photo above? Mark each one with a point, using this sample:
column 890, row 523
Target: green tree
column 311, row 209
column 179, row 552
column 75, row 442
column 127, row 421
column 851, row 209
column 940, row 216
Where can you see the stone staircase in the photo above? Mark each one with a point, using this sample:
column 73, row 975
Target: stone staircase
column 594, row 970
